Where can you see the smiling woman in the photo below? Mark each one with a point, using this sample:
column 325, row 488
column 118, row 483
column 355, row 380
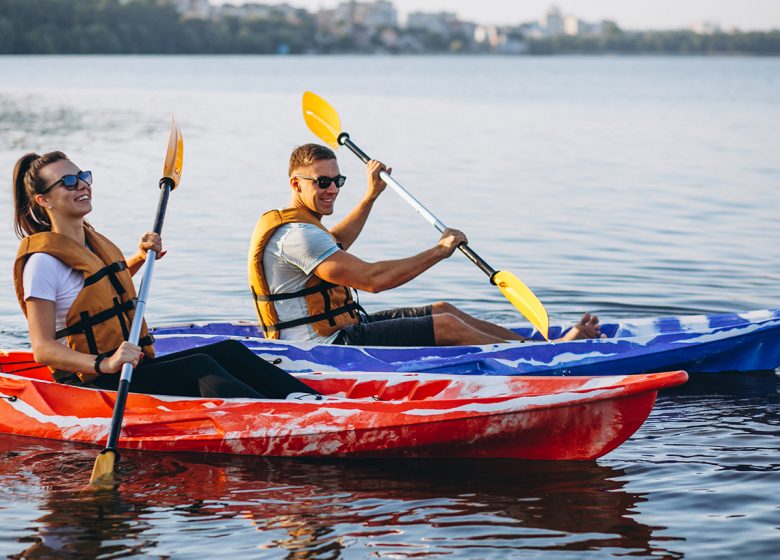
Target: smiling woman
column 75, row 288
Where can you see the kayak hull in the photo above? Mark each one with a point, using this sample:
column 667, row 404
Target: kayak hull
column 698, row 344
column 361, row 415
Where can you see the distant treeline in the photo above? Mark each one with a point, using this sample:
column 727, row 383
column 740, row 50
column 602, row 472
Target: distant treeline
column 137, row 27
column 154, row 27
column 615, row 41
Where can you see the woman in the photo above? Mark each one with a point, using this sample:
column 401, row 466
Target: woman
column 76, row 290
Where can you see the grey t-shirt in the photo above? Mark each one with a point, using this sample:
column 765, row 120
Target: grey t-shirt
column 291, row 255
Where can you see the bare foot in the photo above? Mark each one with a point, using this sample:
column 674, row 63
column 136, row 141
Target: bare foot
column 588, row 327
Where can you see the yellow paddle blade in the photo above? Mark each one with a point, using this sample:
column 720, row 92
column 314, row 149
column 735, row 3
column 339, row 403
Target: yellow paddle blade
column 524, row 300
column 103, row 471
column 321, row 118
column 174, row 157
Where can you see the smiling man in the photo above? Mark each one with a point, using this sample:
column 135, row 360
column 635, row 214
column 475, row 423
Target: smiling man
column 302, row 275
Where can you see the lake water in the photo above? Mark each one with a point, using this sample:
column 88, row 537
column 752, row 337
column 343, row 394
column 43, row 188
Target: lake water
column 624, row 186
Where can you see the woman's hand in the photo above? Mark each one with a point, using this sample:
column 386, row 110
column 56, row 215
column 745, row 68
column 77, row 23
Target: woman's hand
column 150, row 241
column 126, row 353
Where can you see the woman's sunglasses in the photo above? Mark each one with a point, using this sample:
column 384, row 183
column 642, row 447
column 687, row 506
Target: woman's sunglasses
column 71, row 182
column 324, row 182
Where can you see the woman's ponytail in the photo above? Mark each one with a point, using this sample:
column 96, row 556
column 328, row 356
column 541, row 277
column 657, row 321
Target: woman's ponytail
column 29, row 217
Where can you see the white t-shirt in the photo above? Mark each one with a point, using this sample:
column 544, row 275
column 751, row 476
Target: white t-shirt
column 47, row 277
column 291, row 255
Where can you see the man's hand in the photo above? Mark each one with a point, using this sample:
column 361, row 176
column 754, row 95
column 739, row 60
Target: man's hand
column 451, row 239
column 375, row 184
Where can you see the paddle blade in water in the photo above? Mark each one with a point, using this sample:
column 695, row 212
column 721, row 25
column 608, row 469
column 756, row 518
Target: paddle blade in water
column 524, row 300
column 103, row 471
column 174, row 157
column 321, row 118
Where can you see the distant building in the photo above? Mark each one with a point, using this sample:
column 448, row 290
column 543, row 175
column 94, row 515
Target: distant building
column 487, row 35
column 504, row 40
column 553, row 22
column 532, row 30
column 572, row 25
column 374, row 15
column 259, row 11
column 446, row 25
column 440, row 23
column 706, row 27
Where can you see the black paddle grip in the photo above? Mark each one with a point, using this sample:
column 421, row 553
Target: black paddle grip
column 166, row 185
column 344, row 140
column 479, row 261
column 119, row 412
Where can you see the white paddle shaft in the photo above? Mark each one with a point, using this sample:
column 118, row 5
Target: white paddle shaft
column 140, row 307
column 416, row 204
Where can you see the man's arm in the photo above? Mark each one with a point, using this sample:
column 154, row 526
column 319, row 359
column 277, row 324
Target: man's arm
column 348, row 229
column 348, row 270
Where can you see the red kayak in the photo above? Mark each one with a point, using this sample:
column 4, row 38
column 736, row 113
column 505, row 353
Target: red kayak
column 360, row 415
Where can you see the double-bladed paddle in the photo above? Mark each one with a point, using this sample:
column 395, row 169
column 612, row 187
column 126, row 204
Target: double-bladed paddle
column 323, row 120
column 174, row 158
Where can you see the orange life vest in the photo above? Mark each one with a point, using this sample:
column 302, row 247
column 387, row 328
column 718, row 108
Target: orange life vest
column 331, row 307
column 102, row 313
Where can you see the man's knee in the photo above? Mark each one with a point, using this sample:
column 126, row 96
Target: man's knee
column 443, row 307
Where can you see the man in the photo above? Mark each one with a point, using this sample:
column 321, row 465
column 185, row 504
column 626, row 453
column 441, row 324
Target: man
column 301, row 274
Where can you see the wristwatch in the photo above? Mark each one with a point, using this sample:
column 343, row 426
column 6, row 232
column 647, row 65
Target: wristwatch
column 99, row 358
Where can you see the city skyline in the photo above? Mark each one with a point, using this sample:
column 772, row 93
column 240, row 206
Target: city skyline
column 638, row 14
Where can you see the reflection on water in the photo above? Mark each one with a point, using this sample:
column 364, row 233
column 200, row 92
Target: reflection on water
column 707, row 454
column 315, row 509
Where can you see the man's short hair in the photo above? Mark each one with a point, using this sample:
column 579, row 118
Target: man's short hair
column 308, row 154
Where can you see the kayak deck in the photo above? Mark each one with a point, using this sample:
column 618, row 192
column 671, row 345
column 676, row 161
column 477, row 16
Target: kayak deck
column 730, row 342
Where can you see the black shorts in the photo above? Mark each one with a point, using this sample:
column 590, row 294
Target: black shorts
column 406, row 326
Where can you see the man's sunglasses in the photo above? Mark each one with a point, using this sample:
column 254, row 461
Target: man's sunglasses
column 71, row 182
column 324, row 182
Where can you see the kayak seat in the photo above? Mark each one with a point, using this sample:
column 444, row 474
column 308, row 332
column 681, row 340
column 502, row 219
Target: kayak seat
column 367, row 389
column 412, row 390
column 429, row 389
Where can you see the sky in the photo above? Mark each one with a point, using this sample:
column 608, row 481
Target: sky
column 628, row 14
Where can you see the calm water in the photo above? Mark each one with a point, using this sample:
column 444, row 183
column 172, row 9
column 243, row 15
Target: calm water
column 624, row 186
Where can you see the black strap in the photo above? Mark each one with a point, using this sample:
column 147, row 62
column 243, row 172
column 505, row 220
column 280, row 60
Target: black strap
column 329, row 314
column 326, row 307
column 89, row 333
column 86, row 322
column 257, row 308
column 349, row 308
column 111, row 271
column 319, row 288
column 121, row 317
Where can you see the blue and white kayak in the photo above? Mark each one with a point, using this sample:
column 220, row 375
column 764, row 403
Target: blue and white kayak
column 730, row 342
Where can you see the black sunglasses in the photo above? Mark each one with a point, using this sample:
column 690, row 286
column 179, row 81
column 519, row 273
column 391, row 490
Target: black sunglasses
column 324, row 182
column 71, row 182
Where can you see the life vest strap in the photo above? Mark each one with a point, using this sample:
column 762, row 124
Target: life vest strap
column 319, row 288
column 87, row 322
column 327, row 315
column 110, row 270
